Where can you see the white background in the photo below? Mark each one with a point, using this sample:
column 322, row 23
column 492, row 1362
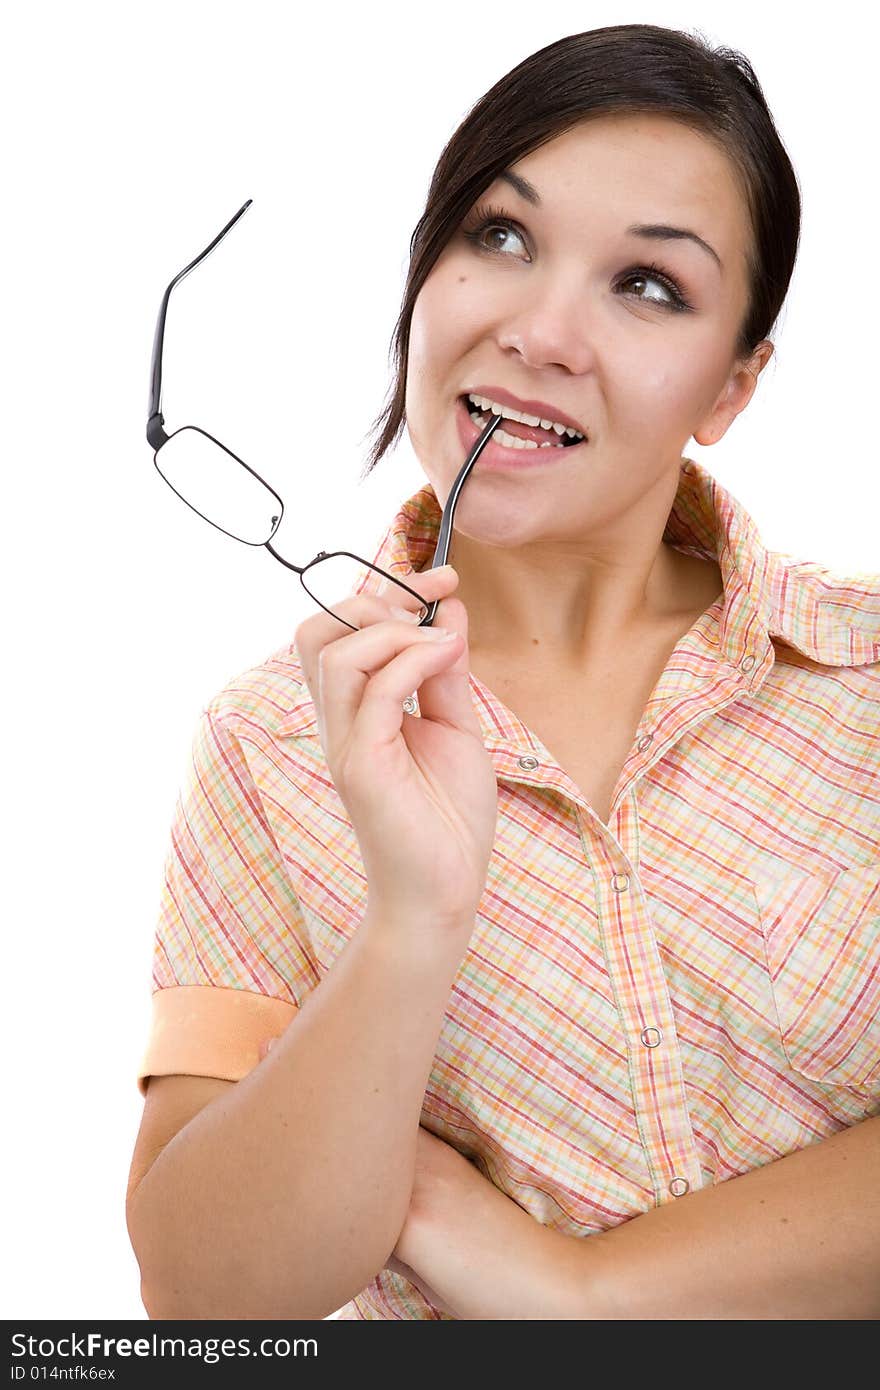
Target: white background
column 131, row 135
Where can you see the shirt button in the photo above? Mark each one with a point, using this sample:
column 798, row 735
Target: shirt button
column 527, row 763
column 747, row 663
column 620, row 882
column 679, row 1186
column 644, row 741
column 651, row 1037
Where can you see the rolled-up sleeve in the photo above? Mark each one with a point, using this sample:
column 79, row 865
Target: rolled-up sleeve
column 232, row 959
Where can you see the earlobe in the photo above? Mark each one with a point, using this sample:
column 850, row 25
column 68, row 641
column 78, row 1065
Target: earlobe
column 710, row 435
column 736, row 396
column 717, row 426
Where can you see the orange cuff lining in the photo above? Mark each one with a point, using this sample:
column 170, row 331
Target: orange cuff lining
column 205, row 1030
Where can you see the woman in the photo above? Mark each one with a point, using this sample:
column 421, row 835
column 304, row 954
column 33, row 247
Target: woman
column 586, row 943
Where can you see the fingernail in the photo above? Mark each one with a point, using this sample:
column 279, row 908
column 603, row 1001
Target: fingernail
column 271, row 1044
column 442, row 634
column 406, row 614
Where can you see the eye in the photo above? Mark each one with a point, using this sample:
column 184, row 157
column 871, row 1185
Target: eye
column 647, row 273
column 490, row 219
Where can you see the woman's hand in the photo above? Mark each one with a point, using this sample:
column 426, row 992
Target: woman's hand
column 473, row 1252
column 440, row 1180
column 442, row 1176
column 420, row 791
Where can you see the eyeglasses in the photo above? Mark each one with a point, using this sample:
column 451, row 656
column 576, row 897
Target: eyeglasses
column 223, row 490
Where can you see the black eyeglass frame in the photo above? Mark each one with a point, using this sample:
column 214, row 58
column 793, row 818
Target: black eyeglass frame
column 156, row 437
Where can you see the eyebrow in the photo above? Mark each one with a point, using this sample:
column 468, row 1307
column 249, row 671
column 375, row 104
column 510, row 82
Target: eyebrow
column 657, row 231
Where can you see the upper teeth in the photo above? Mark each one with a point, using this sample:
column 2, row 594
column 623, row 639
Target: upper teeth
column 509, row 414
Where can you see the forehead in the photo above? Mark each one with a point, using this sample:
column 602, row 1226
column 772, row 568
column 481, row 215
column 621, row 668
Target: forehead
column 642, row 168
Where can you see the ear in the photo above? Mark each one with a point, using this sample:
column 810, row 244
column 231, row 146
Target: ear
column 735, row 396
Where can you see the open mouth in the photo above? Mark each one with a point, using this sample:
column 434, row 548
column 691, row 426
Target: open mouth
column 514, row 434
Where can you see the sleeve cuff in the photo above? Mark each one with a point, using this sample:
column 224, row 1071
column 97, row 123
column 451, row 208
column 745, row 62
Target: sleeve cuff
column 203, row 1030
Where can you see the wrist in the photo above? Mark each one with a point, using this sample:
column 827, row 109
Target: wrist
column 418, row 937
column 455, row 1195
column 487, row 1258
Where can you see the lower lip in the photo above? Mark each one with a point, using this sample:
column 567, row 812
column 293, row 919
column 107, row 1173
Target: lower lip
column 500, row 455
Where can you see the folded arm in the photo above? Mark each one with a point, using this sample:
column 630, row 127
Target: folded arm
column 796, row 1238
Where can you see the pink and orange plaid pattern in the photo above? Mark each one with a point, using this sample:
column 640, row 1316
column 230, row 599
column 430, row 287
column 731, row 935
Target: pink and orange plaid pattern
column 646, row 1006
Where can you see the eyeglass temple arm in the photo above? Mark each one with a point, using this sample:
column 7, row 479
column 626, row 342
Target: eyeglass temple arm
column 156, row 435
column 444, row 539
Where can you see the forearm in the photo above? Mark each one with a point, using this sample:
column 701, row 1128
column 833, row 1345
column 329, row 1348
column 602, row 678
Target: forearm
column 796, row 1238
column 284, row 1195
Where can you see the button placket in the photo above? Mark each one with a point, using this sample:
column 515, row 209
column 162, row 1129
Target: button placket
column 653, row 1056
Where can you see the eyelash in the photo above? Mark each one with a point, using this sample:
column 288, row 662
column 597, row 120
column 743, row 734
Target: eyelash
column 494, row 217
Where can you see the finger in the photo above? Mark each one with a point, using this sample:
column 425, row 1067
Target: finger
column 423, row 582
column 316, row 631
column 447, row 695
column 320, row 633
column 364, row 679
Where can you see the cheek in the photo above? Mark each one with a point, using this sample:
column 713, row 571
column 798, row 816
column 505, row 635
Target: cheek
column 670, row 391
column 419, row 333
column 437, row 312
column 434, row 358
column 429, row 331
column 447, row 313
column 440, row 340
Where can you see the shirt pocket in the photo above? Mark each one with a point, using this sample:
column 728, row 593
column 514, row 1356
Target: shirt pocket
column 821, row 935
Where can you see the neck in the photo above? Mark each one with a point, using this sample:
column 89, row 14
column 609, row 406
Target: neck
column 570, row 600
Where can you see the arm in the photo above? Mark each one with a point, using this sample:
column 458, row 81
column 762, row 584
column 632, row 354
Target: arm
column 283, row 1196
column 798, row 1238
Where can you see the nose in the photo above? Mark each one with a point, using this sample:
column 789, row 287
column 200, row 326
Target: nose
column 550, row 328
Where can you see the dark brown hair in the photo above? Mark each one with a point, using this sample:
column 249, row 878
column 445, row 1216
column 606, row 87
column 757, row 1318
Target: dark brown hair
column 630, row 68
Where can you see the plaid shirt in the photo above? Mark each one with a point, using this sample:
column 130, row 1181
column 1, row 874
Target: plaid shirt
column 646, row 1007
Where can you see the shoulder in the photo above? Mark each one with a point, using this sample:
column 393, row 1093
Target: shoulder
column 270, row 699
